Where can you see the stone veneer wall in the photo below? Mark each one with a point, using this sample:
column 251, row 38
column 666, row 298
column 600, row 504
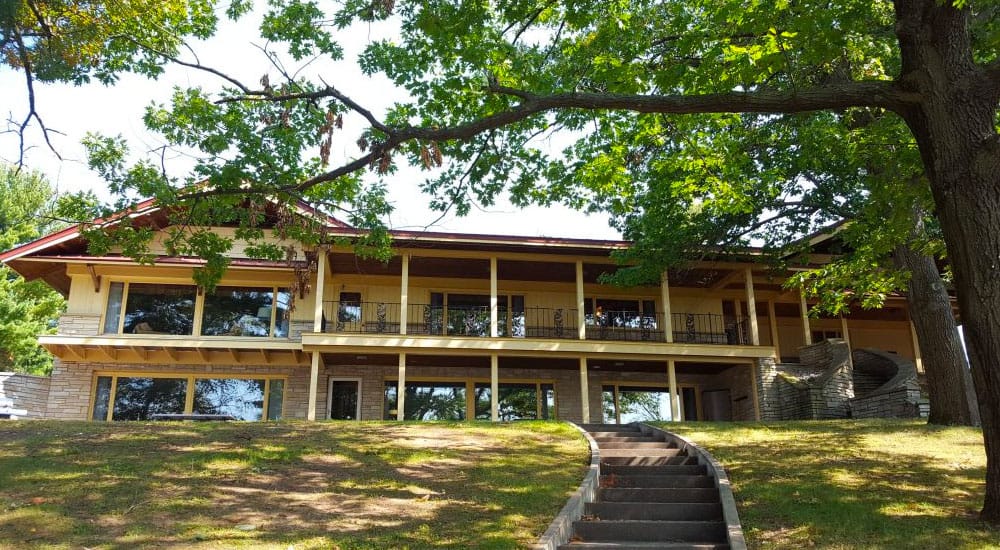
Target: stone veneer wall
column 901, row 402
column 740, row 385
column 87, row 325
column 71, row 384
column 768, row 389
column 296, row 328
column 28, row 392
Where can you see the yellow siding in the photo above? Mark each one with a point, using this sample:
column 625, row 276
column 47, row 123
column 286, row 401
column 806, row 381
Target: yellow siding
column 82, row 298
column 157, row 244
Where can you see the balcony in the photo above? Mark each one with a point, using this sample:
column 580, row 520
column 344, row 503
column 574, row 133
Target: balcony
column 532, row 322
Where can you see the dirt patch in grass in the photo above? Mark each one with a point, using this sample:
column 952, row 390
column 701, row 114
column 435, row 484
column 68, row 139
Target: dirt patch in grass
column 280, row 485
column 853, row 484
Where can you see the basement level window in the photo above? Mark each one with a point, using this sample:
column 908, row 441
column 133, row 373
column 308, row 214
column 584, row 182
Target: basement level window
column 139, row 397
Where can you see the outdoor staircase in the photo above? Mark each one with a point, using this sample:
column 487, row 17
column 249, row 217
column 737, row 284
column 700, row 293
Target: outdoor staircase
column 652, row 494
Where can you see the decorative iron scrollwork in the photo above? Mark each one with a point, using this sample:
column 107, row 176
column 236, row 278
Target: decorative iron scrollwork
column 380, row 317
column 557, row 320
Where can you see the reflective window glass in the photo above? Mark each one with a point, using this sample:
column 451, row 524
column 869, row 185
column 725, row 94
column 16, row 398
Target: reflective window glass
column 239, row 311
column 113, row 314
column 514, row 402
column 102, row 395
column 275, row 398
column 159, row 309
column 239, row 398
column 140, row 398
column 428, row 401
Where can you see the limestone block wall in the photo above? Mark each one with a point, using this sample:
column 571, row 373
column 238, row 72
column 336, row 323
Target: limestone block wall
column 769, row 389
column 737, row 379
column 70, row 390
column 297, row 327
column 28, row 392
column 901, row 402
column 79, row 323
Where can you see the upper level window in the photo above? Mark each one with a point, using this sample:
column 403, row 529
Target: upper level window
column 246, row 311
column 145, row 308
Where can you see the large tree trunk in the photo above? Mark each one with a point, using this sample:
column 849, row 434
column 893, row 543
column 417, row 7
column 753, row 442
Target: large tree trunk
column 949, row 381
column 955, row 128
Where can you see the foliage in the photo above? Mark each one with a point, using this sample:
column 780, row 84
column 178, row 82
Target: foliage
column 27, row 309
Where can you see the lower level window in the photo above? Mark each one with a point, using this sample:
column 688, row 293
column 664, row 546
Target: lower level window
column 625, row 404
column 141, row 397
column 427, row 401
column 528, row 401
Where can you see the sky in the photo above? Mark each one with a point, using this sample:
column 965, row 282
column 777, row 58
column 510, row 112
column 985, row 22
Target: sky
column 73, row 111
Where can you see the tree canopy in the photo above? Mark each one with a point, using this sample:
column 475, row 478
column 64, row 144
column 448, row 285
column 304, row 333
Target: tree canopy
column 27, row 309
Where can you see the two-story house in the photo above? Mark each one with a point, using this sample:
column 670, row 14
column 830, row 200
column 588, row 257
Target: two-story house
column 455, row 326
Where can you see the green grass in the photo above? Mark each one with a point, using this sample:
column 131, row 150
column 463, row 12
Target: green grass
column 853, row 484
column 283, row 485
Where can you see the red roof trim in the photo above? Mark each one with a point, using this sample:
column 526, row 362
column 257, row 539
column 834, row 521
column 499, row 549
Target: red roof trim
column 177, row 260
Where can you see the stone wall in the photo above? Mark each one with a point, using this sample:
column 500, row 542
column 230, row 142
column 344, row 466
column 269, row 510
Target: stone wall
column 296, row 328
column 27, row 392
column 901, row 402
column 818, row 388
column 768, row 388
column 82, row 324
column 70, row 391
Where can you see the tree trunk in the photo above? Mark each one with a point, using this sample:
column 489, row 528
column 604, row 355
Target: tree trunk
column 949, row 381
column 954, row 124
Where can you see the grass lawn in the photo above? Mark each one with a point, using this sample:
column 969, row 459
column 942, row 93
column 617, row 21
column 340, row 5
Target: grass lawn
column 283, row 485
column 853, row 484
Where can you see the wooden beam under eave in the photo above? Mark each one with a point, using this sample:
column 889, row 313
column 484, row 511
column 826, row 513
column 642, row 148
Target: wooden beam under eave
column 297, row 356
column 732, row 277
column 142, row 352
column 266, row 355
column 96, row 278
column 204, row 354
column 111, row 352
column 234, row 354
column 171, row 352
column 79, row 355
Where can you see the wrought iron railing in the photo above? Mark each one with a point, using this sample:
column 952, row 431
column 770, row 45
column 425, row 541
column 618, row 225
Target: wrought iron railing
column 533, row 322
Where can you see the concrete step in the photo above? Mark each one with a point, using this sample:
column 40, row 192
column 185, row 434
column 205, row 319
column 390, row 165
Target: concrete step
column 610, row 428
column 645, row 444
column 639, row 545
column 632, row 460
column 660, row 494
column 623, row 436
column 655, row 482
column 668, row 470
column 652, row 531
column 642, row 451
column 658, row 511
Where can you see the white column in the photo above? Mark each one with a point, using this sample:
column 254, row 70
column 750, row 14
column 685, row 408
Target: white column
column 806, row 333
column 494, row 313
column 675, row 400
column 321, row 263
column 752, row 309
column 494, row 388
column 847, row 340
column 584, row 391
column 401, row 388
column 772, row 317
column 918, row 359
column 668, row 320
column 404, row 294
column 313, row 385
column 581, row 321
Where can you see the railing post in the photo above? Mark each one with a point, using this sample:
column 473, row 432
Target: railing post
column 668, row 322
column 404, row 294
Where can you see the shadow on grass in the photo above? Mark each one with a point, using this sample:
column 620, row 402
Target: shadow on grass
column 853, row 484
column 311, row 485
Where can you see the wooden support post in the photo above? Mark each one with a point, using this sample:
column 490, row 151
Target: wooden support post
column 753, row 389
column 313, row 385
column 918, row 359
column 584, row 391
column 752, row 309
column 772, row 317
column 494, row 312
column 675, row 400
column 321, row 262
column 807, row 336
column 401, row 389
column 404, row 294
column 494, row 388
column 668, row 320
column 581, row 318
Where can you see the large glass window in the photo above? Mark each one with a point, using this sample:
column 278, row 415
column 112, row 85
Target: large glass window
column 158, row 309
column 517, row 401
column 141, row 397
column 244, row 311
column 427, row 401
column 625, row 404
column 241, row 399
column 113, row 316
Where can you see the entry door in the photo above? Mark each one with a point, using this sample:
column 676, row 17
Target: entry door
column 345, row 399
